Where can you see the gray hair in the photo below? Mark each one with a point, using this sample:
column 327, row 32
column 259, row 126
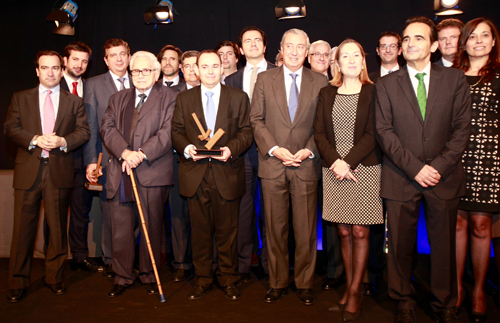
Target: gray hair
column 319, row 42
column 295, row 31
column 152, row 59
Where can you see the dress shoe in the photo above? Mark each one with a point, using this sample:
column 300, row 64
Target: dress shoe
column 274, row 294
column 406, row 316
column 118, row 290
column 255, row 260
column 57, row 288
column 108, row 271
column 151, row 288
column 16, row 295
column 332, row 283
column 87, row 265
column 306, row 296
column 370, row 289
column 337, row 308
column 231, row 292
column 445, row 316
column 198, row 292
column 179, row 275
column 349, row 316
column 244, row 278
column 476, row 317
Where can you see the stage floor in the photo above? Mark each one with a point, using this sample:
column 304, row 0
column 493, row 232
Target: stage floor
column 87, row 301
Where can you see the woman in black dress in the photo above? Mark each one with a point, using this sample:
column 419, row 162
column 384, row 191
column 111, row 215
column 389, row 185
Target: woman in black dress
column 478, row 56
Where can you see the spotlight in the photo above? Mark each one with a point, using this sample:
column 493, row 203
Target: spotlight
column 161, row 13
column 447, row 7
column 64, row 18
column 289, row 9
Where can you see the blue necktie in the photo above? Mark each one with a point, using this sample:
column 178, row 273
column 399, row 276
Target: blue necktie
column 211, row 114
column 293, row 101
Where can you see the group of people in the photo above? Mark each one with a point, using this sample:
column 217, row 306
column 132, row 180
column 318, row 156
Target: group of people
column 372, row 148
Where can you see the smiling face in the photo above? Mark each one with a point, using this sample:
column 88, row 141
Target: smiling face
column 170, row 63
column 480, row 42
column 228, row 57
column 294, row 49
column 448, row 40
column 49, row 71
column 209, row 69
column 117, row 60
column 318, row 58
column 417, row 45
column 144, row 82
column 188, row 69
column 388, row 50
column 252, row 45
column 351, row 60
column 76, row 64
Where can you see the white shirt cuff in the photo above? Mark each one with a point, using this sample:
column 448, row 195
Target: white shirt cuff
column 186, row 151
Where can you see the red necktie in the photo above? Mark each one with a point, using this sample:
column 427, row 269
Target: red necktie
column 49, row 118
column 75, row 92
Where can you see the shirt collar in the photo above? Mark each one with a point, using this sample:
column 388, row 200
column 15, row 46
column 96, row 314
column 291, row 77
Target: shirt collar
column 116, row 77
column 384, row 70
column 215, row 90
column 262, row 65
column 175, row 80
column 147, row 92
column 413, row 72
column 446, row 63
column 288, row 72
column 42, row 89
column 70, row 80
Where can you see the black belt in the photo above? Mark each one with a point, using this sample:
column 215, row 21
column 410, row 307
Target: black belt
column 44, row 160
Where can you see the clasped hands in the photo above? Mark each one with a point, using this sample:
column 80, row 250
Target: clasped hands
column 342, row 171
column 428, row 176
column 226, row 154
column 288, row 159
column 50, row 141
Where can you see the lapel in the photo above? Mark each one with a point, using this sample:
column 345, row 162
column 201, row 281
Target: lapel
column 63, row 108
column 34, row 109
column 197, row 107
column 434, row 88
column 407, row 88
column 109, row 83
column 224, row 101
column 130, row 100
column 239, row 79
column 280, row 93
column 305, row 94
column 365, row 98
column 152, row 100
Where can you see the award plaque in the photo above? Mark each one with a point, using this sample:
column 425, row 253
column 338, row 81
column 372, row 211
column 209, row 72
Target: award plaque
column 205, row 136
column 94, row 186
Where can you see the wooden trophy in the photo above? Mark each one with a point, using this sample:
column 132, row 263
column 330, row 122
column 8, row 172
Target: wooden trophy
column 95, row 186
column 205, row 136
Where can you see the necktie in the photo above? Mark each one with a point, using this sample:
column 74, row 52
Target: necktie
column 141, row 103
column 122, row 83
column 211, row 114
column 169, row 83
column 49, row 118
column 421, row 93
column 75, row 85
column 390, row 72
column 253, row 78
column 293, row 101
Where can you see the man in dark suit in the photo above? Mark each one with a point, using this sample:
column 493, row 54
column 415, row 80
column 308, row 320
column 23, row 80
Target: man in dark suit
column 47, row 124
column 213, row 185
column 179, row 211
column 76, row 58
column 282, row 114
column 170, row 60
column 97, row 91
column 449, row 31
column 136, row 130
column 253, row 42
column 388, row 49
column 422, row 117
column 229, row 52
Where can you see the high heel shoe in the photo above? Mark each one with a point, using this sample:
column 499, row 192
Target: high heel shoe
column 478, row 317
column 337, row 307
column 349, row 316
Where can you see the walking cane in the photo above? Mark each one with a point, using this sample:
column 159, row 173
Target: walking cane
column 146, row 235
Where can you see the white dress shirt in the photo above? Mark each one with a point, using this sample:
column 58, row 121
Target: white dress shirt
column 175, row 80
column 446, row 63
column 126, row 83
column 414, row 81
column 79, row 87
column 247, row 74
column 288, row 80
column 384, row 71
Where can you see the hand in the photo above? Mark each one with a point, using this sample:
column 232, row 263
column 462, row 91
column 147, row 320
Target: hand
column 194, row 154
column 301, row 155
column 133, row 158
column 90, row 170
column 126, row 167
column 342, row 171
column 283, row 154
column 51, row 141
column 226, row 153
column 428, row 176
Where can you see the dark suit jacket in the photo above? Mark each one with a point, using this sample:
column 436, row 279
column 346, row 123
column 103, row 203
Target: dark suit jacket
column 374, row 76
column 232, row 117
column 408, row 142
column 152, row 134
column 439, row 62
column 236, row 79
column 23, row 122
column 365, row 149
column 271, row 122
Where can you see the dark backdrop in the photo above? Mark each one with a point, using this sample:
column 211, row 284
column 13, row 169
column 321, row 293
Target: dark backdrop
column 199, row 24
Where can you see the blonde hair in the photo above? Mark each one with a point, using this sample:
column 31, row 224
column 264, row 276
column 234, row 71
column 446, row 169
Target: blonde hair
column 363, row 76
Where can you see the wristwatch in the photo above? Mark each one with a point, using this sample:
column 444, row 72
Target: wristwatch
column 35, row 140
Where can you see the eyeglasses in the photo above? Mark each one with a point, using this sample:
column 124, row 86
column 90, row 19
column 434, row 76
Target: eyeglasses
column 391, row 46
column 144, row 72
column 318, row 55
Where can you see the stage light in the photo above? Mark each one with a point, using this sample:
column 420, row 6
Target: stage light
column 161, row 13
column 64, row 18
column 447, row 7
column 289, row 9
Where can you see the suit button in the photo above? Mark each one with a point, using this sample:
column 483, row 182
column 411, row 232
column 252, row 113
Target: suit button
column 425, row 138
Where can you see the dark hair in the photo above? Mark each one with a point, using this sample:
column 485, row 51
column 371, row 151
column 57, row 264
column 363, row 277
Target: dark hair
column 188, row 54
column 115, row 42
column 462, row 60
column 48, row 53
column 77, row 46
column 389, row 34
column 424, row 20
column 338, row 79
column 169, row 47
column 235, row 47
column 450, row 22
column 207, row 51
column 249, row 28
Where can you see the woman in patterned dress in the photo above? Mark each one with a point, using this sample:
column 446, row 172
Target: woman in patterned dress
column 343, row 132
column 478, row 56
